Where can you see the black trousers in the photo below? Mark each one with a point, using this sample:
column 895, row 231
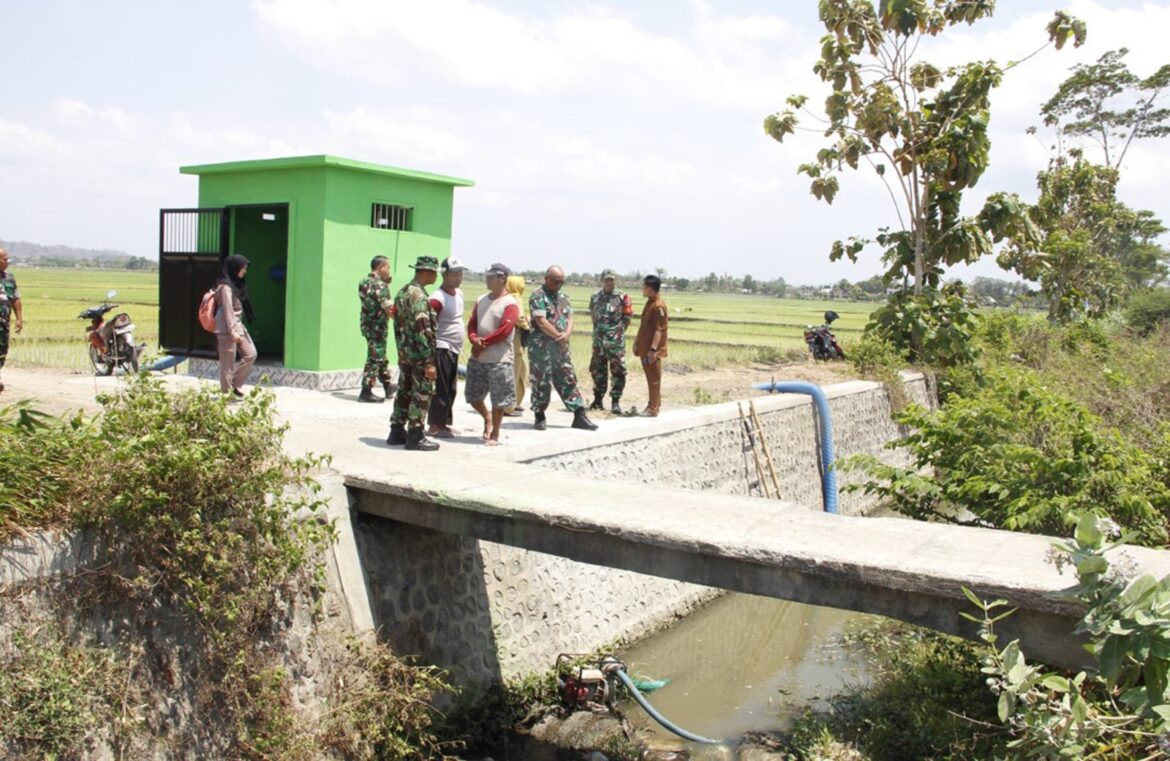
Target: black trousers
column 446, row 379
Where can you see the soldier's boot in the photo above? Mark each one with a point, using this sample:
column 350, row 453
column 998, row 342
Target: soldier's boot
column 416, row 440
column 367, row 395
column 616, row 407
column 397, row 435
column 582, row 422
column 386, row 388
column 597, row 402
column 540, row 423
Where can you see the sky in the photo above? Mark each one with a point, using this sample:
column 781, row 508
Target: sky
column 624, row 135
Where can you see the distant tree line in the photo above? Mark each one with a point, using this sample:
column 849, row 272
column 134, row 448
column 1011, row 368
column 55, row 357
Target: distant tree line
column 129, row 263
column 985, row 291
column 23, row 252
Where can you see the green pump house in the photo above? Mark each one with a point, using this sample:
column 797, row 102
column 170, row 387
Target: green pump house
column 309, row 225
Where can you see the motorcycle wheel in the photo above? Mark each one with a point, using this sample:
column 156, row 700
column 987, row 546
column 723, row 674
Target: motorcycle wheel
column 101, row 365
column 129, row 358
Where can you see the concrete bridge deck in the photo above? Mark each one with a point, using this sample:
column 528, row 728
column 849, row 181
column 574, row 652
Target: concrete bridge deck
column 903, row 569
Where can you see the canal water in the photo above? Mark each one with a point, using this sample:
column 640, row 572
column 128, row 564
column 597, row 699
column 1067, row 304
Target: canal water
column 743, row 664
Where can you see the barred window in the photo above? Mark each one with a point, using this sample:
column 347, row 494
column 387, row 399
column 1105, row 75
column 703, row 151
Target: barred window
column 385, row 216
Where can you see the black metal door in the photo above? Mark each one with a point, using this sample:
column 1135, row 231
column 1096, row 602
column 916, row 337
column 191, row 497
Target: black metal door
column 192, row 242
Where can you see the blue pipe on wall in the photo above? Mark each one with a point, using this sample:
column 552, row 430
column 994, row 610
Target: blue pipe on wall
column 828, row 473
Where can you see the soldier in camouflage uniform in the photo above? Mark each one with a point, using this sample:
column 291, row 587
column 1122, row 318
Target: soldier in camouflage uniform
column 611, row 311
column 548, row 351
column 9, row 307
column 414, row 330
column 374, row 293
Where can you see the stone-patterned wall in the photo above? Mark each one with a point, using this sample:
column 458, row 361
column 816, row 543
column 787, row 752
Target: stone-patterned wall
column 713, row 455
column 486, row 610
column 38, row 589
column 276, row 375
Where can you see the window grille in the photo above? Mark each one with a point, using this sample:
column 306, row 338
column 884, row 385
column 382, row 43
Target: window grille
column 385, row 216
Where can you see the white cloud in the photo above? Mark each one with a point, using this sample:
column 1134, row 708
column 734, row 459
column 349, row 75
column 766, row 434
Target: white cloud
column 402, row 139
column 728, row 59
column 80, row 111
column 20, row 141
column 476, row 44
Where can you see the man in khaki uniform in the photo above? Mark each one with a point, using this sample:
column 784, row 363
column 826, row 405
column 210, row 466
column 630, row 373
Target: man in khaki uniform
column 650, row 344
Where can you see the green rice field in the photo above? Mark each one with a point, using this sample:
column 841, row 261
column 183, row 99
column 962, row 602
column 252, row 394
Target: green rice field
column 53, row 336
column 706, row 330
column 709, row 330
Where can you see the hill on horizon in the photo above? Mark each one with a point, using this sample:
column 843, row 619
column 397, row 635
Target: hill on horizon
column 62, row 255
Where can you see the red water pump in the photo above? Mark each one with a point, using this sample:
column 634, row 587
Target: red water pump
column 587, row 682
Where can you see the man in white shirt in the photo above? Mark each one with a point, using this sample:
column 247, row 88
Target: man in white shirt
column 447, row 303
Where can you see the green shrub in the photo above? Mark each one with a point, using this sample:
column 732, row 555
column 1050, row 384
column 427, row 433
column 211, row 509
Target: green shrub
column 212, row 484
column 1020, row 456
column 1120, row 709
column 935, row 328
column 874, row 357
column 1148, row 309
column 199, row 512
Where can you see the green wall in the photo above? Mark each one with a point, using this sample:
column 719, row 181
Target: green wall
column 304, row 192
column 329, row 242
column 351, row 243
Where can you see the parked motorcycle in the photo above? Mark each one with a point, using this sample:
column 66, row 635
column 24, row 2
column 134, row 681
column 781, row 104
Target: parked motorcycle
column 821, row 341
column 111, row 344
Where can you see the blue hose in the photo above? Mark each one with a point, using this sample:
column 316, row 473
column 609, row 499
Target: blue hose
column 828, row 473
column 629, row 683
column 166, row 363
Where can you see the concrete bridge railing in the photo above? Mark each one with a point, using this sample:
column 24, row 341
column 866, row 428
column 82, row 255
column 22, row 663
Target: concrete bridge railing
column 898, row 568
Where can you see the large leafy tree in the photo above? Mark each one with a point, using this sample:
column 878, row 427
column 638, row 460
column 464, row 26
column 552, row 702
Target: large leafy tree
column 1096, row 250
column 1108, row 104
column 923, row 130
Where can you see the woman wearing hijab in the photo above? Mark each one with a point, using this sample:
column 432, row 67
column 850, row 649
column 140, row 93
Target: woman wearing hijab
column 231, row 296
column 515, row 286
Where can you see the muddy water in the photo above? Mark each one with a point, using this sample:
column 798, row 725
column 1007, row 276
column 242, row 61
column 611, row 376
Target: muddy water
column 742, row 664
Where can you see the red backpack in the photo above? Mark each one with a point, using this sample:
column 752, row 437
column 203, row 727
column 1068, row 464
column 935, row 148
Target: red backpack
column 207, row 311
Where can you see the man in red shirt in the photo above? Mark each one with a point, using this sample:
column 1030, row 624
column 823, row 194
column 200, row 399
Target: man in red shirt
column 490, row 368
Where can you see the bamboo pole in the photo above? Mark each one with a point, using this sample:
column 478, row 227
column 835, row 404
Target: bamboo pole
column 764, row 446
column 755, row 452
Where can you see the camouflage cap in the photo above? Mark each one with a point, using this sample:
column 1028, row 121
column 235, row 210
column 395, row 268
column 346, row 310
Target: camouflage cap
column 607, row 274
column 426, row 263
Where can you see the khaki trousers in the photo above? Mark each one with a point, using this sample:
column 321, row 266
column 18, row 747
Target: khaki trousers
column 654, row 381
column 233, row 373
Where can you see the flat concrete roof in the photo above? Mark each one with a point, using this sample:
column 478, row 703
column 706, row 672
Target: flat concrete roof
column 323, row 160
